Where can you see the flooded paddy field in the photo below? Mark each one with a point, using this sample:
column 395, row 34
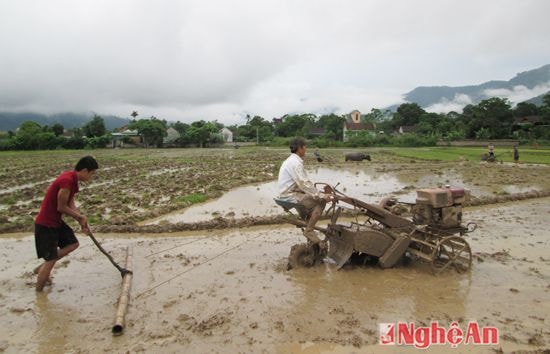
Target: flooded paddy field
column 137, row 187
column 229, row 290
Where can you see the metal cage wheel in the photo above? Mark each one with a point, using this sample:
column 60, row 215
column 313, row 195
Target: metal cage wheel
column 305, row 255
column 452, row 251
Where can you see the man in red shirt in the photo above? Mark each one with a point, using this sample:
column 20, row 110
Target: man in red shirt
column 53, row 238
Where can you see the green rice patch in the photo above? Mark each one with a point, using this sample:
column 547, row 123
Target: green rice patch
column 191, row 198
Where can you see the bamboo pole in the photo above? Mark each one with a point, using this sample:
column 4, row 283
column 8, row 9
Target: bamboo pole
column 124, row 298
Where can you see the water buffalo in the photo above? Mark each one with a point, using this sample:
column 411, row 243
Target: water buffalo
column 357, row 156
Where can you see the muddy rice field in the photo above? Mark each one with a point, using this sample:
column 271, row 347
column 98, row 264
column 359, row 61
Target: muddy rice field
column 210, row 255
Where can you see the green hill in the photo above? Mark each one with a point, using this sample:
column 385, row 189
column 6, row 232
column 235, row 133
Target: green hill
column 11, row 121
column 426, row 96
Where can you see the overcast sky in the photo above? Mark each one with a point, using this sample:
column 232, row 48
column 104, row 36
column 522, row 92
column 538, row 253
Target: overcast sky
column 205, row 59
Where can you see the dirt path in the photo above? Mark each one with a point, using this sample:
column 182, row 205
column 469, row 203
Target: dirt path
column 230, row 292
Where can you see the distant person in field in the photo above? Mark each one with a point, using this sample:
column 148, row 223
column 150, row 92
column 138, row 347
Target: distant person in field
column 491, row 148
column 53, row 238
column 295, row 186
column 516, row 154
column 318, row 156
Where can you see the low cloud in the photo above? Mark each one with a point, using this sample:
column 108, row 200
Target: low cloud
column 456, row 104
column 519, row 93
column 193, row 59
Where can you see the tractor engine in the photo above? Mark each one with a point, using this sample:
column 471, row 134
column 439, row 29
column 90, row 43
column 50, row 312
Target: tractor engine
column 441, row 207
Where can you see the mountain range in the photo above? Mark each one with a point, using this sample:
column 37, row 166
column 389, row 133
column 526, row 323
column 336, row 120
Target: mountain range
column 528, row 86
column 11, row 121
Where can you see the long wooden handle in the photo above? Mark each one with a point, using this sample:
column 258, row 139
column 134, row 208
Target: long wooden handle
column 120, row 269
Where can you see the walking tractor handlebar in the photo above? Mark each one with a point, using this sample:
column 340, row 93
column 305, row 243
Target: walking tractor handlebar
column 331, row 190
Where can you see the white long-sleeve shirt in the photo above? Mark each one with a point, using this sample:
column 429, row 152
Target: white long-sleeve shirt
column 293, row 182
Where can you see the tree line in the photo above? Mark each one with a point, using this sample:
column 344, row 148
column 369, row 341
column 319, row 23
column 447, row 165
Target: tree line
column 492, row 118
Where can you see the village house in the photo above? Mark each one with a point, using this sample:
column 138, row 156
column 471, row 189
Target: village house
column 67, row 134
column 171, row 136
column 227, row 135
column 316, row 132
column 124, row 135
column 353, row 126
column 526, row 123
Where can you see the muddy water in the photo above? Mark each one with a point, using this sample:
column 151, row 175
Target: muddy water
column 24, row 186
column 229, row 291
column 257, row 200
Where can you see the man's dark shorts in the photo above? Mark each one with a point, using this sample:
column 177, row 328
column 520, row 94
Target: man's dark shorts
column 47, row 239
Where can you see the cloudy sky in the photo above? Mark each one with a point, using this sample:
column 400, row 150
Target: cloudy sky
column 219, row 59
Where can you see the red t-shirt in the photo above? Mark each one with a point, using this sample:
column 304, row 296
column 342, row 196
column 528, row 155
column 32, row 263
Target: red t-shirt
column 48, row 215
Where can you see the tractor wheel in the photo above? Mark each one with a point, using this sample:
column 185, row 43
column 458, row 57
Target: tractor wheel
column 452, row 251
column 304, row 255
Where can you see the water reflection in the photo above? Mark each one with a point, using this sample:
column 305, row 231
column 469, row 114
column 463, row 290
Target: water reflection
column 257, row 200
column 358, row 180
column 23, row 186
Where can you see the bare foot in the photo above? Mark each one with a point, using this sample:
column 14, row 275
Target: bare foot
column 48, row 282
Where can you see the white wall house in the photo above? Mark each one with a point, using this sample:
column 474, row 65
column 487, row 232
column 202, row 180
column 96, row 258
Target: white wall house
column 171, row 136
column 227, row 135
